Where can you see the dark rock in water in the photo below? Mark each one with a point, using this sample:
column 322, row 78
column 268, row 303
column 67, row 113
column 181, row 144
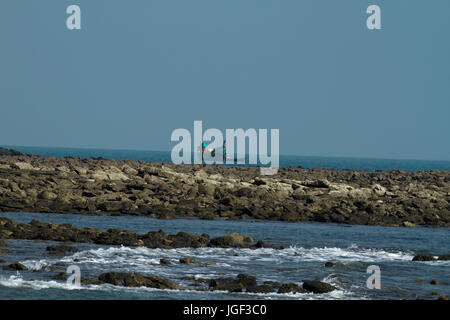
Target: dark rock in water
column 15, row 266
column 189, row 260
column 165, row 262
column 423, row 257
column 2, row 261
column 330, row 264
column 226, row 284
column 60, row 276
column 4, row 250
column 435, row 282
column 9, row 152
column 246, row 280
column 3, row 243
column 89, row 281
column 61, row 249
column 261, row 289
column 317, row 286
column 36, row 230
column 238, row 284
column 443, row 298
column 231, row 240
column 290, row 287
column 262, row 244
column 444, row 257
column 137, row 280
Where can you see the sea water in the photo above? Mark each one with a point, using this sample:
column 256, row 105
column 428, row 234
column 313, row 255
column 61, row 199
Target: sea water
column 309, row 246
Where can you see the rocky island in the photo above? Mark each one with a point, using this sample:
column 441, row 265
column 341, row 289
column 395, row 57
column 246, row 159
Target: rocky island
column 31, row 183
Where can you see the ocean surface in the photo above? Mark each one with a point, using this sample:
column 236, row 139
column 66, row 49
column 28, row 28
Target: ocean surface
column 359, row 164
column 310, row 245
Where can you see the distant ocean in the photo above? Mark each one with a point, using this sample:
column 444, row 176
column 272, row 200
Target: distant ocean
column 359, row 164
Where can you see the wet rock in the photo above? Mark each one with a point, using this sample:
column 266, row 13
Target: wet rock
column 189, row 260
column 89, row 281
column 61, row 249
column 246, row 280
column 317, row 287
column 226, row 284
column 423, row 257
column 435, row 282
column 443, row 298
column 60, row 276
column 444, row 257
column 137, row 280
column 4, row 250
column 165, row 262
column 330, row 264
column 231, row 240
column 261, row 289
column 3, row 243
column 290, row 287
column 15, row 266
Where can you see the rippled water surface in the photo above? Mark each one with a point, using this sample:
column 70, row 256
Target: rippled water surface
column 310, row 245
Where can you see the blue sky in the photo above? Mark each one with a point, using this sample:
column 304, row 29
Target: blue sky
column 137, row 70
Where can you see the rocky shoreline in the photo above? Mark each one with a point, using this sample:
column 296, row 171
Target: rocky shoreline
column 49, row 231
column 99, row 186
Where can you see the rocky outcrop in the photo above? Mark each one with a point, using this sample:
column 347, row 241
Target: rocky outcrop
column 423, row 257
column 61, row 249
column 137, row 280
column 70, row 185
column 291, row 288
column 9, row 152
column 14, row 267
column 317, row 286
column 36, row 230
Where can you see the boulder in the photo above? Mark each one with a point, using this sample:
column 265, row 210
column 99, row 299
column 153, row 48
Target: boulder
column 423, row 257
column 189, row 260
column 231, row 240
column 226, row 284
column 165, row 262
column 15, row 266
column 317, row 286
column 330, row 264
column 137, row 280
column 290, row 287
column 61, row 249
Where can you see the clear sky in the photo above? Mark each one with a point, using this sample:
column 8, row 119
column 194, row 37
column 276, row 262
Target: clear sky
column 138, row 69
